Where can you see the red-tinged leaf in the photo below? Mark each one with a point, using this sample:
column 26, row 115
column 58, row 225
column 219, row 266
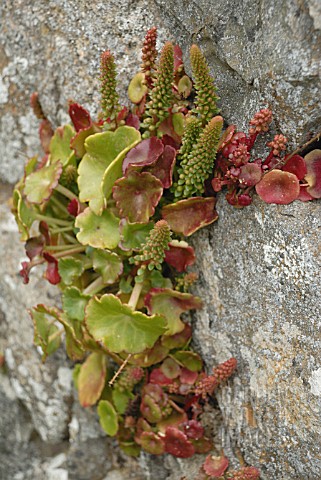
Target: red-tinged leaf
column 215, row 466
column 44, row 230
column 278, row 187
column 313, row 176
column 180, row 255
column 34, row 246
column 157, row 377
column 52, row 272
column 179, row 340
column 226, row 137
column 45, row 134
column 133, row 121
column 304, row 196
column 73, row 207
column 188, row 377
column 24, row 272
column 177, row 443
column 188, row 216
column 152, row 443
column 174, row 420
column 171, row 304
column 46, row 333
column 77, row 143
column 170, row 368
column 91, row 380
column 297, row 166
column 178, row 57
column 137, row 195
column 151, row 356
column 144, row 154
column 167, row 140
column 36, row 106
column 80, row 117
column 164, row 166
column 193, row 429
column 250, row 174
column 167, row 128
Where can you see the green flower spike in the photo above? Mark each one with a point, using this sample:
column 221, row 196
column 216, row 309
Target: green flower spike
column 204, row 86
column 109, row 96
column 161, row 95
column 193, row 128
column 199, row 163
column 153, row 252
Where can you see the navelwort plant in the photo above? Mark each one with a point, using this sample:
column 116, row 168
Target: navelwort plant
column 113, row 201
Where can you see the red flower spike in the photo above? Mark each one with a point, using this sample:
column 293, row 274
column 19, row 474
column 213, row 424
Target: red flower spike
column 80, row 117
column 144, row 154
column 180, row 255
column 74, row 207
column 193, row 429
column 137, row 195
column 250, row 175
column 313, row 176
column 261, row 121
column 52, row 273
column 224, row 370
column 152, row 443
column 45, row 134
column 215, row 466
column 188, row 377
column 278, row 144
column 297, row 166
column 188, row 216
column 278, row 187
column 177, row 443
column 163, row 168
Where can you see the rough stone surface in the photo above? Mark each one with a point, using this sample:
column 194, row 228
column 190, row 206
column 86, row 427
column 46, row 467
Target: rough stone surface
column 259, row 269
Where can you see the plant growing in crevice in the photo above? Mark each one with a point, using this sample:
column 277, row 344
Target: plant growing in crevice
column 107, row 210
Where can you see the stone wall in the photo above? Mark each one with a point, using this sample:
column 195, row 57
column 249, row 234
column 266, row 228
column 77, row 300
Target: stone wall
column 259, row 269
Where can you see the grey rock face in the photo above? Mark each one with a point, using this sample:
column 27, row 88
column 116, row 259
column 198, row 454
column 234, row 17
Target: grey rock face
column 259, row 268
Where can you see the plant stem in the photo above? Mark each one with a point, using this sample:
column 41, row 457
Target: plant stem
column 121, row 368
column 54, row 231
column 66, row 192
column 134, row 297
column 58, row 247
column 70, row 238
column 175, row 406
column 54, row 335
column 53, row 221
column 79, row 249
column 94, row 287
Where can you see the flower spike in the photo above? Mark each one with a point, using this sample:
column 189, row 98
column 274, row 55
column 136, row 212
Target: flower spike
column 149, row 53
column 206, row 98
column 109, row 96
column 200, row 162
column 153, row 252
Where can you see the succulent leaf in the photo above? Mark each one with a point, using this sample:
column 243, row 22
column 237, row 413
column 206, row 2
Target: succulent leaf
column 91, row 379
column 98, row 231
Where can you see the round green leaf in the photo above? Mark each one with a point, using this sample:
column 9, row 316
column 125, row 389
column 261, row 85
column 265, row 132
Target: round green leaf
column 108, row 417
column 74, row 303
column 59, row 147
column 101, row 165
column 69, row 269
column 40, row 184
column 98, row 231
column 108, row 264
column 119, row 327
